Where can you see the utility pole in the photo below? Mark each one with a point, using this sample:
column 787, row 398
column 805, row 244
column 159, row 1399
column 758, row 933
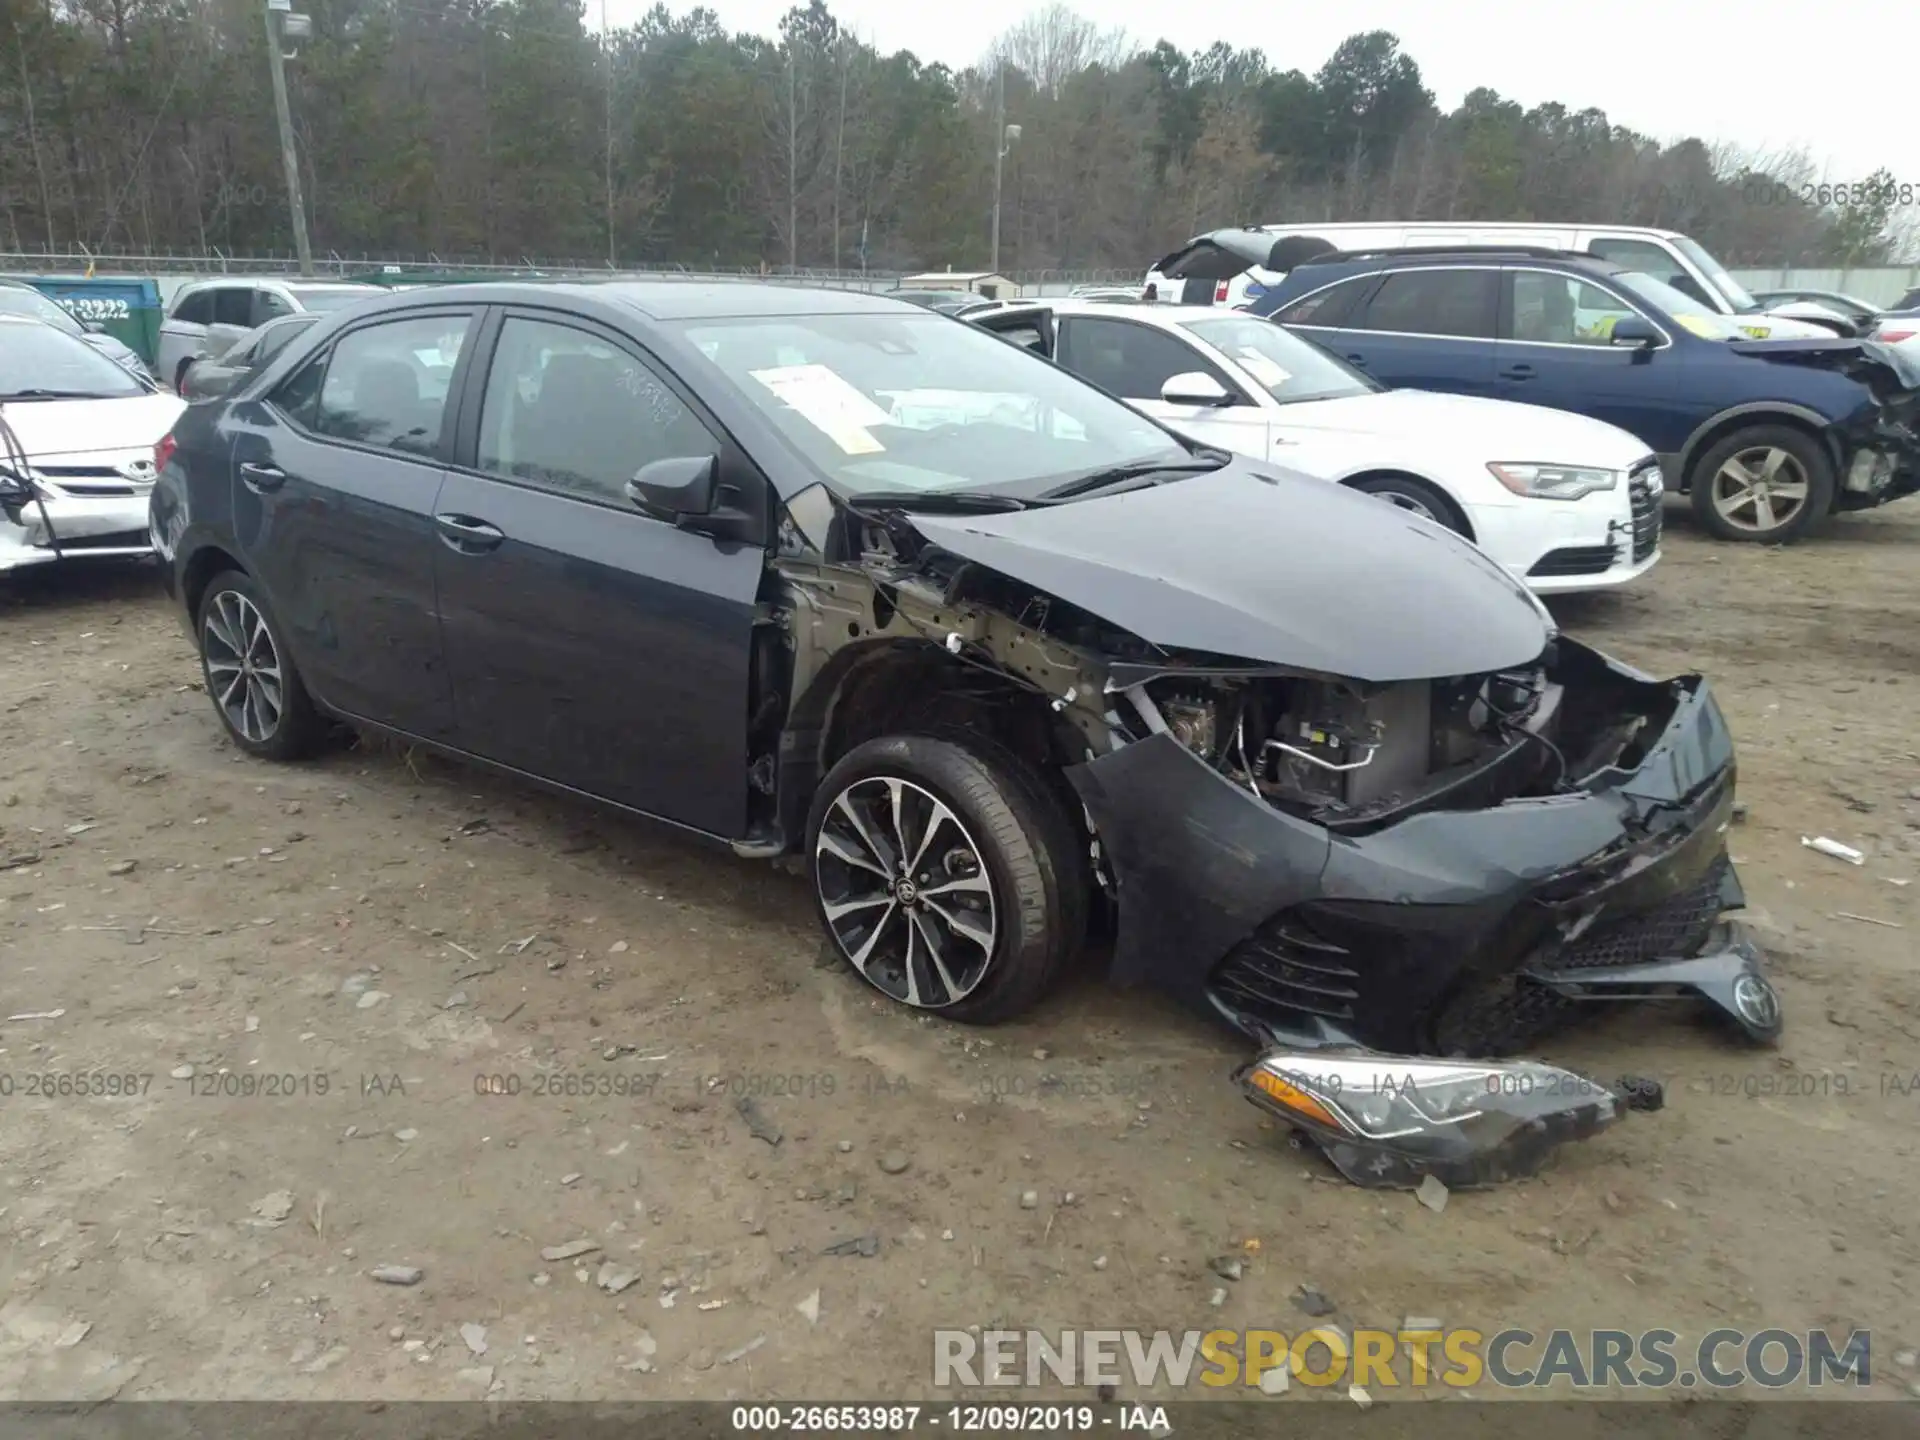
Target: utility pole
column 1003, row 137
column 287, row 156
column 606, row 55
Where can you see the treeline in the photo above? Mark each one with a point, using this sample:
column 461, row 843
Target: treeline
column 505, row 130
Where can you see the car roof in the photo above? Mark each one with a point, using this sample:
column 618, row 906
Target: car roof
column 1153, row 314
column 668, row 299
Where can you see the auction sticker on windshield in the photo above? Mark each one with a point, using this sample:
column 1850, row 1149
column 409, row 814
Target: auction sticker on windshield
column 828, row 403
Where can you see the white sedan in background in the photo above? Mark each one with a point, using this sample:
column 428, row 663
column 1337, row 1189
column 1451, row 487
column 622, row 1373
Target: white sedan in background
column 1563, row 502
column 76, row 449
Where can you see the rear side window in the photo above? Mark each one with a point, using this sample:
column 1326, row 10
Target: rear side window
column 233, row 306
column 387, row 384
column 1452, row 303
column 1329, row 307
column 195, row 308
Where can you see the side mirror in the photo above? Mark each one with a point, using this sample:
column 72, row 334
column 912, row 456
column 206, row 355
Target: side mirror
column 14, row 490
column 209, row 382
column 222, row 338
column 1195, row 387
column 1634, row 332
column 675, row 489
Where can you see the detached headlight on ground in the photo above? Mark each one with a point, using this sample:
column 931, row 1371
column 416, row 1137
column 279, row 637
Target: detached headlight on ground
column 1387, row 1121
column 1553, row 482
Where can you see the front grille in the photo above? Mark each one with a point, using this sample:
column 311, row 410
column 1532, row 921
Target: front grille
column 1285, row 964
column 1576, row 560
column 118, row 540
column 1669, row 930
column 87, row 482
column 1646, row 502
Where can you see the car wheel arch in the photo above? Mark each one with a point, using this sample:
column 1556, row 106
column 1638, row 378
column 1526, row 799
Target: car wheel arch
column 1740, row 417
column 1426, row 482
column 206, row 562
column 885, row 685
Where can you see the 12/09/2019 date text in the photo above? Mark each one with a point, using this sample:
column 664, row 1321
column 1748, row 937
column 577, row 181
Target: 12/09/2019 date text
column 900, row 1419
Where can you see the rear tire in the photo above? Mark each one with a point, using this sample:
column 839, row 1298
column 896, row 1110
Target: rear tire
column 1417, row 497
column 994, row 908
column 1764, row 484
column 250, row 676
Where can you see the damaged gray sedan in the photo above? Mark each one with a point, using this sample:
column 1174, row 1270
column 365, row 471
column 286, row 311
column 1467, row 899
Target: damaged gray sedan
column 1012, row 667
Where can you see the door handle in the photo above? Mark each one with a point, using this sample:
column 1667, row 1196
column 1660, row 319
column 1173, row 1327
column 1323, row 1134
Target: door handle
column 1359, row 360
column 1521, row 371
column 262, row 478
column 467, row 535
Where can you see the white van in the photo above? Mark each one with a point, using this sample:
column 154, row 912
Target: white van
column 1197, row 272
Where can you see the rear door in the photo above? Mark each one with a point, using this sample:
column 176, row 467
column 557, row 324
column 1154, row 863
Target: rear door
column 1134, row 361
column 336, row 475
column 1430, row 328
column 182, row 332
column 591, row 644
column 1556, row 350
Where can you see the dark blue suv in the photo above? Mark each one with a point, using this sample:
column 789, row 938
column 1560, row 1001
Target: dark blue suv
column 1767, row 436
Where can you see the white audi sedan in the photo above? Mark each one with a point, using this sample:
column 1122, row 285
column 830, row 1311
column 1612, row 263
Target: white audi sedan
column 1562, row 501
column 76, row 448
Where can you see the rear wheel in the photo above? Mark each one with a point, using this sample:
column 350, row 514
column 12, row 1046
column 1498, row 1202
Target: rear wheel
column 1415, row 496
column 251, row 679
column 946, row 875
column 1767, row 483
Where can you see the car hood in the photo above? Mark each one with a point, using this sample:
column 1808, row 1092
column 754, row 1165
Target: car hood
column 1474, row 427
column 1867, row 361
column 72, row 427
column 1269, row 566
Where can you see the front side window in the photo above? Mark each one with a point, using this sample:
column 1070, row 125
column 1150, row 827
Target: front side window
column 267, row 305
column 1128, row 360
column 1683, row 310
column 1641, row 255
column 1551, row 309
column 1289, row 368
column 886, row 402
column 1452, row 303
column 569, row 412
column 386, row 385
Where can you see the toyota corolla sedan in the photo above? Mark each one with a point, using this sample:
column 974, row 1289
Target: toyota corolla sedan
column 805, row 571
column 76, row 448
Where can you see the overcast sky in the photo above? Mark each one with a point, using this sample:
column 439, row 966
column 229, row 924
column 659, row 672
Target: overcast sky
column 1779, row 74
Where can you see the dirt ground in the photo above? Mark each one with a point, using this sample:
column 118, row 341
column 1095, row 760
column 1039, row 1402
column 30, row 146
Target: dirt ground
column 386, row 1011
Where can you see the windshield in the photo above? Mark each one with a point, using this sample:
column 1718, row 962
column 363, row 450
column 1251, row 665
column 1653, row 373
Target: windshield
column 31, row 303
column 1717, row 276
column 1682, row 309
column 37, row 360
column 1289, row 367
column 321, row 301
column 917, row 402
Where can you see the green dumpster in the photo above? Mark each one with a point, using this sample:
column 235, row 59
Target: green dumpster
column 123, row 306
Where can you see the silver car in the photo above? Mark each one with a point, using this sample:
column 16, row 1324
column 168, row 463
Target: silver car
column 236, row 304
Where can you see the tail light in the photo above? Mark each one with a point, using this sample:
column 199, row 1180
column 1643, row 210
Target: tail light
column 1894, row 337
column 163, row 452
column 1220, row 292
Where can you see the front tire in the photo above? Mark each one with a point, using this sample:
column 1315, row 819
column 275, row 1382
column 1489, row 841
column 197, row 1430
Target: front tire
column 946, row 875
column 251, row 679
column 1765, row 484
column 1416, row 497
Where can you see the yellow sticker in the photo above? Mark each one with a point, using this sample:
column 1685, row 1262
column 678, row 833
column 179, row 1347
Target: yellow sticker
column 1756, row 332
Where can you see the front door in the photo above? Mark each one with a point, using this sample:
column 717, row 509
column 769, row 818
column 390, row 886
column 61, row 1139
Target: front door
column 335, row 477
column 1135, row 361
column 1556, row 349
column 591, row 644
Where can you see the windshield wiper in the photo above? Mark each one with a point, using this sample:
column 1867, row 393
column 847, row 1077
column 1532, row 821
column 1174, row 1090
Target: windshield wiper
column 1141, row 470
column 39, row 394
column 968, row 502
